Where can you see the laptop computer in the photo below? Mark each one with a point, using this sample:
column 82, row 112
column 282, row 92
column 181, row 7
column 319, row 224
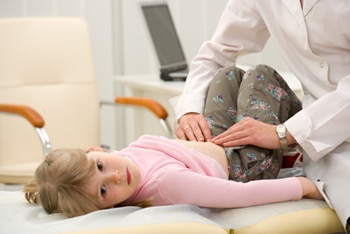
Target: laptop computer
column 173, row 64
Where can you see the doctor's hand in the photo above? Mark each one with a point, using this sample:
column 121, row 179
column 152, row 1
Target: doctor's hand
column 249, row 132
column 193, row 127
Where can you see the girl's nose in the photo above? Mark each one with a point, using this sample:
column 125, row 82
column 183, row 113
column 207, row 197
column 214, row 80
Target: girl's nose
column 116, row 177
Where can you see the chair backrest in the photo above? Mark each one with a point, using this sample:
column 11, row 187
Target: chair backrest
column 47, row 63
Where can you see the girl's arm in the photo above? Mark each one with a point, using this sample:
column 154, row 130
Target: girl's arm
column 182, row 186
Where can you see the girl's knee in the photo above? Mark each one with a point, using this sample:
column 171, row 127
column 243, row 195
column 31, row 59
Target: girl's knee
column 226, row 81
column 261, row 73
column 266, row 73
column 229, row 74
column 265, row 68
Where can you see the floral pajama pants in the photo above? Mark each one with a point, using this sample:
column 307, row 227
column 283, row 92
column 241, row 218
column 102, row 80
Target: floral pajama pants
column 260, row 93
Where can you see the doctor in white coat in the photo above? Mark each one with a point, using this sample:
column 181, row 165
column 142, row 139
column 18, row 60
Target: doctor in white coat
column 314, row 39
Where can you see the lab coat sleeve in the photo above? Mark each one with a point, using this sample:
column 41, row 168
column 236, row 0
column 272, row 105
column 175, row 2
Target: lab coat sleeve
column 240, row 31
column 323, row 125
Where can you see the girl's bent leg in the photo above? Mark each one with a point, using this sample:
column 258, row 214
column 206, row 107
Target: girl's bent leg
column 221, row 104
column 264, row 96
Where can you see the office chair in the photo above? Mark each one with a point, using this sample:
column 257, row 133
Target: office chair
column 47, row 83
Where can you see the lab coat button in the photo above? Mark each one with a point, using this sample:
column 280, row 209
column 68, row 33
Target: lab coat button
column 321, row 65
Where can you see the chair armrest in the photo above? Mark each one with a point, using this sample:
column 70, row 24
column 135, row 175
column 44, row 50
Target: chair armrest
column 152, row 105
column 148, row 103
column 34, row 118
column 25, row 111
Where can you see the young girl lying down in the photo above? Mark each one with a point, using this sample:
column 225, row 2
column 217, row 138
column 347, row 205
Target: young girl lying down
column 158, row 171
column 152, row 171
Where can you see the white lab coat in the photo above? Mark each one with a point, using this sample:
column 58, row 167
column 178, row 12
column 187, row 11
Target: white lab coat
column 315, row 43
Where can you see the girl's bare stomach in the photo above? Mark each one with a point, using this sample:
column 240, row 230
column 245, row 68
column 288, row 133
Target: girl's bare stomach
column 210, row 149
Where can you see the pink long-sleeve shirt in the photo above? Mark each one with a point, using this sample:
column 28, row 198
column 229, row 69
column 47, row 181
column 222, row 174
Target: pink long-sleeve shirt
column 171, row 173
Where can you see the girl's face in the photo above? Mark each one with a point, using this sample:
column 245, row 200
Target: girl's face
column 114, row 180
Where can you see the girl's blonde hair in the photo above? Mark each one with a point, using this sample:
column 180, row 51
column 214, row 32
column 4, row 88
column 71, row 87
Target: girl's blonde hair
column 58, row 182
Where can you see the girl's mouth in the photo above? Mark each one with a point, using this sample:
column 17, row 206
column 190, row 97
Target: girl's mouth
column 128, row 176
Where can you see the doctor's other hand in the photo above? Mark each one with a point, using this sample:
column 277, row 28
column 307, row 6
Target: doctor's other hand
column 193, row 127
column 249, row 132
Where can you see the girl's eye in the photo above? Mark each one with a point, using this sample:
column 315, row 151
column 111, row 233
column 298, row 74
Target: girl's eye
column 99, row 165
column 103, row 190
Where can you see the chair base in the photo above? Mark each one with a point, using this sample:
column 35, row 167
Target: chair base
column 18, row 173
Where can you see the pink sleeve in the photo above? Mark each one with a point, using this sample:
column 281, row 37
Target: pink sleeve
column 182, row 186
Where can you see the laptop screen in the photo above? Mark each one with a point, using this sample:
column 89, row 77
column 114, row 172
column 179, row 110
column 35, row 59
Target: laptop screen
column 164, row 36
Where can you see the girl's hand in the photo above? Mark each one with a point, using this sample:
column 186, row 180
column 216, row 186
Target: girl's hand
column 249, row 132
column 193, row 127
column 309, row 188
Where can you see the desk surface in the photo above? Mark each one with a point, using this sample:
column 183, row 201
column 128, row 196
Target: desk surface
column 151, row 83
column 154, row 83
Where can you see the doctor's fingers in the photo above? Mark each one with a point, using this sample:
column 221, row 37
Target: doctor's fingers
column 194, row 127
column 180, row 134
column 185, row 133
column 239, row 132
column 254, row 133
column 183, row 124
column 193, row 132
column 230, row 135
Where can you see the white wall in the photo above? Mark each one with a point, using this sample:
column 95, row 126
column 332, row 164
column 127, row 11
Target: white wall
column 195, row 22
column 121, row 44
column 99, row 16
